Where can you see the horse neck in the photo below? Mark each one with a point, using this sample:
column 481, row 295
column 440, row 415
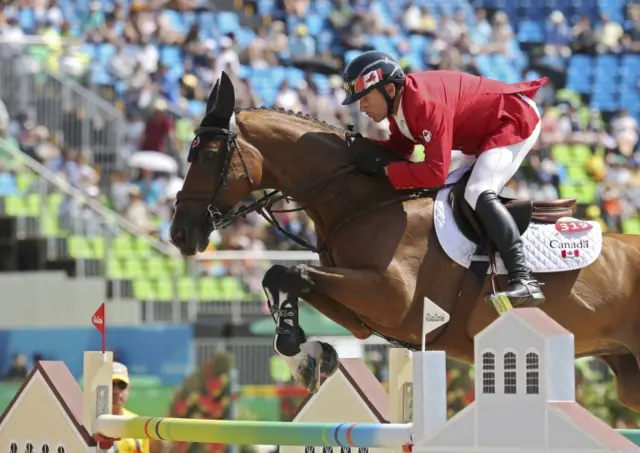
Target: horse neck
column 293, row 157
column 299, row 154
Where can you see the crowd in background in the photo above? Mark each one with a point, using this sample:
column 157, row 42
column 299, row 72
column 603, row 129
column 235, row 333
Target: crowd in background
column 162, row 103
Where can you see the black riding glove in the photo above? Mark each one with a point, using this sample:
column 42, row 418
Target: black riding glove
column 370, row 164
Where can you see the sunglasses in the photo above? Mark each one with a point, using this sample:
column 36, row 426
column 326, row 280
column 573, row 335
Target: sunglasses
column 120, row 385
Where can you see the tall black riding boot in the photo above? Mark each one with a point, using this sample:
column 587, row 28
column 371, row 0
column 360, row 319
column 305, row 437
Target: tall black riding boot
column 523, row 289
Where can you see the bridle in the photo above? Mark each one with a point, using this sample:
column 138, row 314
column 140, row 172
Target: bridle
column 215, row 219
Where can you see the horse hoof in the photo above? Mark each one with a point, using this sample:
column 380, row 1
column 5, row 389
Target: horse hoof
column 309, row 363
column 330, row 361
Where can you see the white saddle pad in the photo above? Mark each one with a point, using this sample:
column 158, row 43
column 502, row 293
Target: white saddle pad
column 546, row 249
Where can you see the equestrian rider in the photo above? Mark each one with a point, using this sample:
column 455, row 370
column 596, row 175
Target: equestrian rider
column 492, row 123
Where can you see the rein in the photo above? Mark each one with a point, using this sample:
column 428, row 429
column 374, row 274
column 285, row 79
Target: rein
column 215, row 219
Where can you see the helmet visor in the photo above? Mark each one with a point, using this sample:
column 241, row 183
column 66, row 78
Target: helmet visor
column 362, row 85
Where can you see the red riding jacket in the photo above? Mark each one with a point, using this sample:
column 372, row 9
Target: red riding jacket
column 447, row 110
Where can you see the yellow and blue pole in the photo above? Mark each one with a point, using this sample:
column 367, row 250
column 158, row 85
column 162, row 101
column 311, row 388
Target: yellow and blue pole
column 366, row 435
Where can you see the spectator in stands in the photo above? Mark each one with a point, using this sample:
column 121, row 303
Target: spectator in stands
column 583, row 37
column 558, row 35
column 137, row 211
column 159, row 131
column 625, row 131
column 18, row 368
column 609, row 35
column 301, row 45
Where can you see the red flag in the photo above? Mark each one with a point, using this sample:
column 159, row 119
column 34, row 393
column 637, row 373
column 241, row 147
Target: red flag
column 99, row 323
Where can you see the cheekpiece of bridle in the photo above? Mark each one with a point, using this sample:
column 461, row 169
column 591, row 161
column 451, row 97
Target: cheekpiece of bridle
column 214, row 217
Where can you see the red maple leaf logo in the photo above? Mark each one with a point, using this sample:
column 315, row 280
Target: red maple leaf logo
column 371, row 77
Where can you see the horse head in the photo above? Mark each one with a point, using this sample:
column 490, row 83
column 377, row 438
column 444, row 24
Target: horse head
column 223, row 170
column 236, row 152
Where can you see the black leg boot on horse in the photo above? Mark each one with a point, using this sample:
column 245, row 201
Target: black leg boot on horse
column 308, row 361
column 523, row 289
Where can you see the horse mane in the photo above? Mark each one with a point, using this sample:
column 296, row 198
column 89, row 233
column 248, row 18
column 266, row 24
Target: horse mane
column 301, row 115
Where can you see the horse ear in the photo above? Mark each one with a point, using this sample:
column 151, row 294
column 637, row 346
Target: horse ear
column 213, row 97
column 226, row 99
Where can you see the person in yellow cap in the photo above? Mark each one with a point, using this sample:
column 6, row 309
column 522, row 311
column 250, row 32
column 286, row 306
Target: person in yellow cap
column 121, row 388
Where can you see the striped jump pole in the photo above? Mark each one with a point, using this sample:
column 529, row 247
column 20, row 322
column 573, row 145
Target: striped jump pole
column 369, row 435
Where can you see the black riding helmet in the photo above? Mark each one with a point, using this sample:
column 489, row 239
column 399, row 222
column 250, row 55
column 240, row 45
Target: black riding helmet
column 368, row 71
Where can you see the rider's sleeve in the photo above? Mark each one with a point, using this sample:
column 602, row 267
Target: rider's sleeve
column 435, row 129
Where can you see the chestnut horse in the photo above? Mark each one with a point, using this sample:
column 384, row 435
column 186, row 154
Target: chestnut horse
column 379, row 250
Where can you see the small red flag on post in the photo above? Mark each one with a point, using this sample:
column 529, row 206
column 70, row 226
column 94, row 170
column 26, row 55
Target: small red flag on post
column 99, row 322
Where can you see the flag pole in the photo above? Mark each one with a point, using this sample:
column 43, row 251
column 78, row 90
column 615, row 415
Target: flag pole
column 99, row 321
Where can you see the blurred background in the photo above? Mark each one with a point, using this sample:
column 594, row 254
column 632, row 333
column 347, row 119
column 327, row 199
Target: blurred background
column 98, row 102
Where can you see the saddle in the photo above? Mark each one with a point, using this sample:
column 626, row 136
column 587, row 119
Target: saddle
column 524, row 212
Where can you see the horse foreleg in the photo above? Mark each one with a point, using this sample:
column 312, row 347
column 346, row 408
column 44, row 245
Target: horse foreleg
column 627, row 372
column 308, row 361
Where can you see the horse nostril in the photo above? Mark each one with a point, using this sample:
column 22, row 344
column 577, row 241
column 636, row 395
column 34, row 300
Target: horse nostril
column 178, row 235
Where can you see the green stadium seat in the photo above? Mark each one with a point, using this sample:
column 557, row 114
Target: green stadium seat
column 157, row 267
column 54, row 200
column 577, row 174
column 115, row 270
column 123, row 246
column 134, row 268
column 186, row 289
column 631, row 226
column 33, row 205
column 99, row 246
column 568, row 190
column 164, row 290
column 586, row 192
column 51, row 225
column 209, row 289
column 15, row 206
column 232, row 289
column 580, row 153
column 142, row 246
column 143, row 290
column 79, row 248
column 561, row 154
column 24, row 180
column 176, row 266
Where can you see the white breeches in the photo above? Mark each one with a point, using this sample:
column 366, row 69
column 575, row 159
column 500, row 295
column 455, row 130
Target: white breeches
column 495, row 167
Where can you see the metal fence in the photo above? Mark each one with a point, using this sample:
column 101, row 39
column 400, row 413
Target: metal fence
column 35, row 81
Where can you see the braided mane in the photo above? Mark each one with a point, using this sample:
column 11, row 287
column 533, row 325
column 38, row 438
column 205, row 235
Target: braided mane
column 291, row 113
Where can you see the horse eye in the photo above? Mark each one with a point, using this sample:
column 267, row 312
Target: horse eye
column 210, row 155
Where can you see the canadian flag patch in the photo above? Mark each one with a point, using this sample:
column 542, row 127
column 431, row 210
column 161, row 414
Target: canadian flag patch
column 368, row 79
column 570, row 253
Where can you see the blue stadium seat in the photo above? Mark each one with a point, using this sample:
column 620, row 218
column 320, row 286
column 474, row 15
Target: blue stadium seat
column 315, row 24
column 530, row 31
column 266, row 7
column 228, row 21
column 27, row 20
column 196, row 108
column 171, row 55
column 351, row 54
column 104, row 52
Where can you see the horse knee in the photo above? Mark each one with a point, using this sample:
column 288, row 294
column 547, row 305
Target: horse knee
column 292, row 281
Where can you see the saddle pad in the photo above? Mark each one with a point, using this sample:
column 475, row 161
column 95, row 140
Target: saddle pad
column 546, row 249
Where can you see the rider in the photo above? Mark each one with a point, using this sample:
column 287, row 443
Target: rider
column 492, row 123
